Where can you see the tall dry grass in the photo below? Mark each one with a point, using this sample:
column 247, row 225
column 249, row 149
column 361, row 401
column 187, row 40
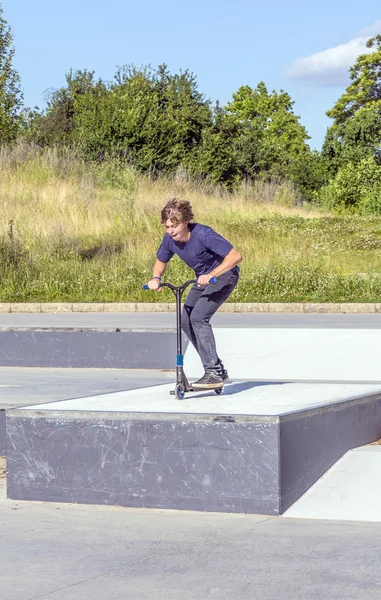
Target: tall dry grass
column 54, row 198
column 70, row 230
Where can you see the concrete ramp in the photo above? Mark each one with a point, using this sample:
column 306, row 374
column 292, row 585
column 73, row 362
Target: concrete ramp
column 349, row 491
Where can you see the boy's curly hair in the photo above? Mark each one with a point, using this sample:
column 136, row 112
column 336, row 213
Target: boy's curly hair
column 178, row 211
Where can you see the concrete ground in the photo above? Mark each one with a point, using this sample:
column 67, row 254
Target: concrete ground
column 77, row 552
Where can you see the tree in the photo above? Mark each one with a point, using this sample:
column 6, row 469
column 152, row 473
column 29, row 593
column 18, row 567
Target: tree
column 272, row 136
column 365, row 88
column 153, row 118
column 356, row 130
column 309, row 173
column 10, row 94
column 216, row 157
column 55, row 124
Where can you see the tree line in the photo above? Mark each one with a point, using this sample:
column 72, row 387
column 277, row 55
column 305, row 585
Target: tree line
column 158, row 122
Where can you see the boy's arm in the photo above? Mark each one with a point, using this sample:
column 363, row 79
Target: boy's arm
column 158, row 271
column 231, row 260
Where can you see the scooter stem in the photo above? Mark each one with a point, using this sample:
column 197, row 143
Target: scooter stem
column 179, row 362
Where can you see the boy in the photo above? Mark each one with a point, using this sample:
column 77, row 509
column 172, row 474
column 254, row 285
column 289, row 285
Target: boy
column 209, row 255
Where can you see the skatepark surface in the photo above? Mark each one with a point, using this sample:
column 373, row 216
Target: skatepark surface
column 76, row 552
column 239, row 398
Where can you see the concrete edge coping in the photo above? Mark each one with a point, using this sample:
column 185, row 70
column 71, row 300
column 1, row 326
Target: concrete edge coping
column 100, row 416
column 229, row 307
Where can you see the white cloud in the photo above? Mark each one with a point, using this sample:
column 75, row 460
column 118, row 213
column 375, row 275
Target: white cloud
column 372, row 30
column 330, row 67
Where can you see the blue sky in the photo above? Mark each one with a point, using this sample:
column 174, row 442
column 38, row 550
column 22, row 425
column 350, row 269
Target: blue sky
column 302, row 47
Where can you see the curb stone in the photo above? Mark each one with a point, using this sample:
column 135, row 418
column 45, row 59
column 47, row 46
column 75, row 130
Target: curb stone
column 237, row 307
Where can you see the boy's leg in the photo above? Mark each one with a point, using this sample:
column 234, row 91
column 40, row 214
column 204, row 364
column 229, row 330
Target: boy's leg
column 210, row 300
column 193, row 295
column 186, row 325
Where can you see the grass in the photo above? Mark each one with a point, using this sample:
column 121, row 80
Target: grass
column 89, row 233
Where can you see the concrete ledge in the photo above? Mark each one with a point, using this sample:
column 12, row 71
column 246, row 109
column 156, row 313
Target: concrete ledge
column 150, row 349
column 231, row 307
column 229, row 462
column 167, row 464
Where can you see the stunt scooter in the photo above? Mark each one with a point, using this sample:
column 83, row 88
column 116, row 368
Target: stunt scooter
column 182, row 384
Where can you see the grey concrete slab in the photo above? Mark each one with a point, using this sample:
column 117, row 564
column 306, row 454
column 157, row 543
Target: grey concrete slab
column 210, row 465
column 167, row 320
column 86, row 348
column 26, row 386
column 76, row 552
column 213, row 454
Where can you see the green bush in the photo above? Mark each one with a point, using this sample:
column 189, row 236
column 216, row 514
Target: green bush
column 371, row 202
column 309, row 173
column 355, row 188
column 114, row 174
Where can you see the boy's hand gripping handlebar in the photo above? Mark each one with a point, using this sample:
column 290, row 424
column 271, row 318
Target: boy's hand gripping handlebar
column 179, row 287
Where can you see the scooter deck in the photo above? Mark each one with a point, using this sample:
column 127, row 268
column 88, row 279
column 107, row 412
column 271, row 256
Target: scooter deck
column 210, row 387
column 216, row 388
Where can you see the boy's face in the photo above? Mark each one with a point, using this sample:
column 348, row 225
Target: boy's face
column 178, row 231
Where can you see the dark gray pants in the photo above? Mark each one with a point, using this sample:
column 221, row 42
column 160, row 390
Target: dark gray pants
column 200, row 305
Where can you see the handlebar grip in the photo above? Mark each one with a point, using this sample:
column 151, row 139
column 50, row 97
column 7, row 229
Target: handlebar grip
column 212, row 280
column 146, row 286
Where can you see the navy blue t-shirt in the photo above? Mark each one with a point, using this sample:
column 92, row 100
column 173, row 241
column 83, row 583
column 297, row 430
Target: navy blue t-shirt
column 203, row 252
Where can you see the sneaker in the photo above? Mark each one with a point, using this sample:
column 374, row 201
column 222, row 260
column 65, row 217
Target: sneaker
column 210, row 379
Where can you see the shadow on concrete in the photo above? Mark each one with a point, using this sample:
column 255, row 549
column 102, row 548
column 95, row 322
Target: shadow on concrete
column 236, row 387
column 232, row 388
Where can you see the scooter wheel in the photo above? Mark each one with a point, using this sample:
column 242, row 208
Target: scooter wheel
column 179, row 391
column 218, row 391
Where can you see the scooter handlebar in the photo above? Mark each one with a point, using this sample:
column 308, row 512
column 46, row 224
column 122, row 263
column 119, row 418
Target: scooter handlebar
column 212, row 280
